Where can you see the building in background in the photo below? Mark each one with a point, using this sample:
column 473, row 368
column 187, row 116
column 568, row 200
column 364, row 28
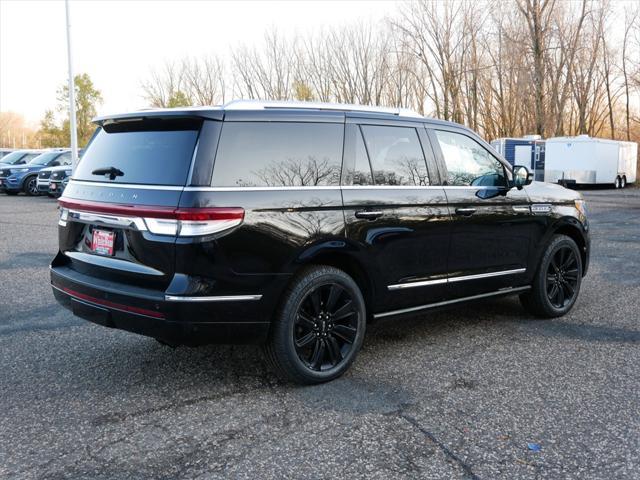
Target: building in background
column 528, row 151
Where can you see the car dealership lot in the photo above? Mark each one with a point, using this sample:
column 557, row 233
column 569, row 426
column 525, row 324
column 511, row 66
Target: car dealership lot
column 451, row 394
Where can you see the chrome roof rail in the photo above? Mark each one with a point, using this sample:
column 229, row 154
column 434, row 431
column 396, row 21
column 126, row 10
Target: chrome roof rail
column 338, row 107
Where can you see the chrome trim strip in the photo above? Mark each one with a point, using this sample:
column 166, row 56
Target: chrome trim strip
column 259, row 189
column 105, row 219
column 521, row 208
column 515, row 271
column 126, row 185
column 320, row 187
column 452, row 302
column 402, row 286
column 221, row 298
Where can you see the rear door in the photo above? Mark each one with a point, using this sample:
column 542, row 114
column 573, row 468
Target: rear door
column 117, row 218
column 393, row 212
column 491, row 235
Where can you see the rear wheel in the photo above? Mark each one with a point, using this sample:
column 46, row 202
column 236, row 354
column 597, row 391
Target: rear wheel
column 557, row 282
column 319, row 327
column 31, row 186
column 623, row 182
column 616, row 183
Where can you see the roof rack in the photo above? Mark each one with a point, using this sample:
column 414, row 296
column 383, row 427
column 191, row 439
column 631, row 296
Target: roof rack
column 341, row 107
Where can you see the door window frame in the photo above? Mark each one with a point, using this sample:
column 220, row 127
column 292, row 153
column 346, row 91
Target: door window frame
column 353, row 128
column 442, row 164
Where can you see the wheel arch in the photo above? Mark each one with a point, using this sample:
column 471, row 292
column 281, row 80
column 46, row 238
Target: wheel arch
column 341, row 255
column 570, row 227
column 25, row 180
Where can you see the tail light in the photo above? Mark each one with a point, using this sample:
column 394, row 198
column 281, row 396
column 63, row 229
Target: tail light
column 183, row 222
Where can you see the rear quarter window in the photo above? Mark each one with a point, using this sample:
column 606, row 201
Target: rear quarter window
column 154, row 152
column 259, row 154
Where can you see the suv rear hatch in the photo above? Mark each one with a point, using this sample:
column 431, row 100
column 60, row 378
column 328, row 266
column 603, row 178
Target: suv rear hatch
column 119, row 216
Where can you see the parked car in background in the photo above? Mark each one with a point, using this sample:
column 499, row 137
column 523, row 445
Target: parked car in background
column 296, row 224
column 24, row 177
column 5, row 151
column 19, row 157
column 43, row 180
column 59, row 179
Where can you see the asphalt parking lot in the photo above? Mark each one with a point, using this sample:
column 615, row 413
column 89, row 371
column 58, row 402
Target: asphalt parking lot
column 452, row 394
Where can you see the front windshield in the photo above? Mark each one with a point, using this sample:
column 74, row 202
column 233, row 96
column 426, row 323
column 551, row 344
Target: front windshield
column 12, row 158
column 44, row 159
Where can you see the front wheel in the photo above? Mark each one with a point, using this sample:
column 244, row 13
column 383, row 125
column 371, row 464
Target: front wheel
column 319, row 327
column 557, row 282
column 31, row 186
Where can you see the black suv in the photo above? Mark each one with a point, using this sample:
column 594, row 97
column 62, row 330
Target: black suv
column 294, row 225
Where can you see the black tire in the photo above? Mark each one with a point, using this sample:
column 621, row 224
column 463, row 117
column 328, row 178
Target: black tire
column 623, row 182
column 616, row 183
column 30, row 186
column 557, row 281
column 319, row 327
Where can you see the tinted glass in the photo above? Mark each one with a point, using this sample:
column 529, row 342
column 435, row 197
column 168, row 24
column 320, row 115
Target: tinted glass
column 256, row 154
column 64, row 159
column 13, row 158
column 396, row 155
column 148, row 152
column 43, row 159
column 362, row 170
column 468, row 162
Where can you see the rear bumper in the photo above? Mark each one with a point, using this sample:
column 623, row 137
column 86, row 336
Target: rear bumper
column 151, row 314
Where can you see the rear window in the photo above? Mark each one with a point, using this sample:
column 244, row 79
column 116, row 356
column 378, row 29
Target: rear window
column 154, row 152
column 256, row 154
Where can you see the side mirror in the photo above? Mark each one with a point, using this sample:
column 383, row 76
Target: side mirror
column 521, row 176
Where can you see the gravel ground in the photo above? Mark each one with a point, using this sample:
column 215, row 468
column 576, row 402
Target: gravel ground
column 452, row 394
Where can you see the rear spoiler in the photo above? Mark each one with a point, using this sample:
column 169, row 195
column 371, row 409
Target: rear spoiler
column 209, row 113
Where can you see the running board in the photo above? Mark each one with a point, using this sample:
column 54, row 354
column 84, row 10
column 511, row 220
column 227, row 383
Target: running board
column 502, row 291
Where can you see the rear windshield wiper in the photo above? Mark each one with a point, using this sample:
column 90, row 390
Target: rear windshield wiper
column 113, row 172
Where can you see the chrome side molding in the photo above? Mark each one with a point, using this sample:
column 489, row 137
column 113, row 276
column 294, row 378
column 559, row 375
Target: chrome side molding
column 219, row 298
column 502, row 291
column 402, row 286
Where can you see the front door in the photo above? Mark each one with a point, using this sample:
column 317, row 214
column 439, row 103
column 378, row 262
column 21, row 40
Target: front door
column 491, row 235
column 398, row 220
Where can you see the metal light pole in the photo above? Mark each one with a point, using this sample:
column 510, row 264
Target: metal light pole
column 72, row 97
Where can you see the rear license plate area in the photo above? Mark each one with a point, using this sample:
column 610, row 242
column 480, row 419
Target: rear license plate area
column 103, row 241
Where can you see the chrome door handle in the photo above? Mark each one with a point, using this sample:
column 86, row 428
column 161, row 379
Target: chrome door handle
column 369, row 214
column 465, row 211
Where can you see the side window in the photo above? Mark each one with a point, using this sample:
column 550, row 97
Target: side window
column 65, row 159
column 468, row 162
column 257, row 154
column 396, row 155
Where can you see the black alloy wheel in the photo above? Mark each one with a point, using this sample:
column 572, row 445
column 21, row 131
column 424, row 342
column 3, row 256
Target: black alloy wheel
column 325, row 327
column 562, row 277
column 319, row 326
column 31, row 186
column 556, row 284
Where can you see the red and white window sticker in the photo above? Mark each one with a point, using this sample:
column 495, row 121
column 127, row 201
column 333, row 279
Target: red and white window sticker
column 102, row 242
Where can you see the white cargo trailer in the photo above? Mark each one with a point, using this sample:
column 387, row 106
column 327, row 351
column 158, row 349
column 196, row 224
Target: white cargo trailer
column 590, row 161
